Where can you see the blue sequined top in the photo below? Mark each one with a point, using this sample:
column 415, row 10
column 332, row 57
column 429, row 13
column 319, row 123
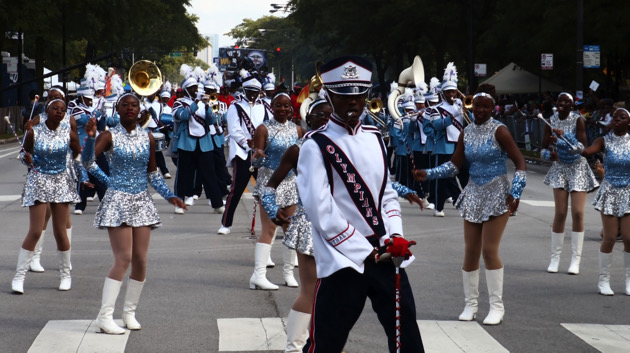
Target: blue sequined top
column 617, row 160
column 128, row 159
column 50, row 148
column 568, row 125
column 486, row 156
column 279, row 137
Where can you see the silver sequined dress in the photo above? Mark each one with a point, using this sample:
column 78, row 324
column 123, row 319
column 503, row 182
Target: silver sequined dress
column 299, row 235
column 488, row 187
column 570, row 172
column 48, row 180
column 280, row 136
column 127, row 200
column 613, row 197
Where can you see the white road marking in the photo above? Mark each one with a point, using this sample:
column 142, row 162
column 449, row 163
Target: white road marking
column 9, row 198
column 77, row 336
column 457, row 337
column 251, row 334
column 539, row 203
column 605, row 338
column 14, row 152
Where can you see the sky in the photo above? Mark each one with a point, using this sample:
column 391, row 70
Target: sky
column 219, row 17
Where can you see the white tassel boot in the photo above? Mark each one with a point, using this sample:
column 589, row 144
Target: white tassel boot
column 471, row 293
column 105, row 321
column 603, row 287
column 626, row 263
column 134, row 289
column 259, row 277
column 577, row 239
column 494, row 279
column 556, row 249
column 287, row 268
column 65, row 280
column 36, row 266
column 24, row 260
column 297, row 330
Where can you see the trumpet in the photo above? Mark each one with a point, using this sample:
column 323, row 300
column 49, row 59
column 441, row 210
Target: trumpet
column 373, row 108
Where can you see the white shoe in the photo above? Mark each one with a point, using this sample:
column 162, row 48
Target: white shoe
column 449, row 200
column 259, row 277
column 91, row 198
column 219, row 210
column 24, row 260
column 132, row 296
column 603, row 287
column 78, row 212
column 577, row 240
column 439, row 214
column 471, row 294
column 287, row 268
column 426, row 203
column 189, row 201
column 556, row 249
column 195, row 197
column 179, row 210
column 494, row 281
column 223, row 230
column 430, row 206
column 167, row 175
column 105, row 321
column 65, row 279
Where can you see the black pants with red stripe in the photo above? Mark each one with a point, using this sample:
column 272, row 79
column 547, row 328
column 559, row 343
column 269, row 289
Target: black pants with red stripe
column 240, row 178
column 339, row 301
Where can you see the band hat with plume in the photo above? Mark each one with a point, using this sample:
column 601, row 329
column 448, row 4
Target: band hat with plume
column 270, row 82
column 408, row 99
column 420, row 91
column 347, row 75
column 189, row 79
column 85, row 91
column 213, row 77
column 93, row 75
column 166, row 90
column 250, row 82
column 432, row 94
column 449, row 81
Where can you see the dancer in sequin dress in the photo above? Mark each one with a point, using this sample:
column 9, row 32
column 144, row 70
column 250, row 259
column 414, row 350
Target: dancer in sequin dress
column 613, row 197
column 569, row 175
column 127, row 210
column 486, row 202
column 47, row 182
column 271, row 139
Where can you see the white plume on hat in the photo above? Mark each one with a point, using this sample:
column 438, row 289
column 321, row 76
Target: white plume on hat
column 199, row 74
column 116, row 85
column 321, row 94
column 408, row 99
column 393, row 87
column 214, row 75
column 244, row 73
column 270, row 82
column 94, row 74
column 167, row 86
column 449, row 81
column 186, row 71
column 433, row 85
column 421, row 88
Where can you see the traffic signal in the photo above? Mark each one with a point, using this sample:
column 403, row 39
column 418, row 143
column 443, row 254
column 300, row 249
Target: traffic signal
column 236, row 47
column 195, row 51
column 277, row 49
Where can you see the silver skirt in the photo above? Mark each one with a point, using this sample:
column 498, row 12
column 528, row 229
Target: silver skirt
column 611, row 200
column 134, row 210
column 577, row 176
column 299, row 235
column 49, row 188
column 286, row 192
column 477, row 203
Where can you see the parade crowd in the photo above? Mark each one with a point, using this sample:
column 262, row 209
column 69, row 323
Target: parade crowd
column 329, row 170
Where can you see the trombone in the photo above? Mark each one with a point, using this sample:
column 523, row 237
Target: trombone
column 467, row 101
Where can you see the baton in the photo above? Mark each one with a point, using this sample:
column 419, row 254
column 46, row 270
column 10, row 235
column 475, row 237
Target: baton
column 539, row 116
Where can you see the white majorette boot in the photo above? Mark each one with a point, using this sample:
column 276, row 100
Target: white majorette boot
column 471, row 293
column 24, row 260
column 603, row 287
column 577, row 239
column 494, row 279
column 35, row 265
column 65, row 279
column 104, row 320
column 270, row 263
column 259, row 277
column 134, row 289
column 626, row 264
column 69, row 234
column 556, row 248
column 297, row 330
column 287, row 268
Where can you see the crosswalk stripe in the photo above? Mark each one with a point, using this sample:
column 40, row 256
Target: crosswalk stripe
column 605, row 338
column 77, row 336
column 9, row 198
column 251, row 334
column 457, row 337
column 539, row 203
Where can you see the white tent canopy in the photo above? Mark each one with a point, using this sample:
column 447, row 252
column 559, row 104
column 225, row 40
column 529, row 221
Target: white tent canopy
column 54, row 80
column 512, row 79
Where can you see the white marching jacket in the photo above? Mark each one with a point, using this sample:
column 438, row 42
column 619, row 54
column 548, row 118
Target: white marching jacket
column 339, row 228
column 238, row 133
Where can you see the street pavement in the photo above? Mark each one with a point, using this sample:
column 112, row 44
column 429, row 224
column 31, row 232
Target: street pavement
column 197, row 299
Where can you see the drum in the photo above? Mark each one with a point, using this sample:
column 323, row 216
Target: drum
column 166, row 119
column 160, row 141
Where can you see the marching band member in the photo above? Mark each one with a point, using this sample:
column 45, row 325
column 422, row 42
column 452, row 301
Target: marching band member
column 217, row 130
column 418, row 140
column 127, row 210
column 398, row 134
column 48, row 183
column 193, row 144
column 569, row 175
column 363, row 213
column 243, row 117
column 486, row 202
column 271, row 140
column 613, row 197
